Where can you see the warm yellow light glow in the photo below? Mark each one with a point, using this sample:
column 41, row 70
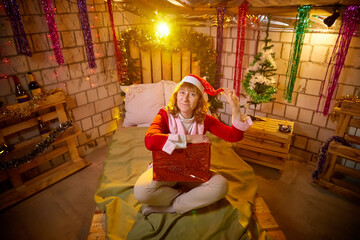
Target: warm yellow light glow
column 162, row 30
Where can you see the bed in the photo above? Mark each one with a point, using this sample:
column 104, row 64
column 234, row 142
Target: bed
column 128, row 158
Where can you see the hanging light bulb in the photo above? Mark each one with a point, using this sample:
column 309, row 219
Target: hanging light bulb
column 329, row 21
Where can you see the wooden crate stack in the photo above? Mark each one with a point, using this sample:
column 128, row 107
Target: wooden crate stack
column 17, row 181
column 338, row 177
column 265, row 144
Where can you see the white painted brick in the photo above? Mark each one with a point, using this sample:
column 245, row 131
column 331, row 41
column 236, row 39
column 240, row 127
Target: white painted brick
column 307, row 101
column 281, row 66
column 285, row 53
column 40, row 60
column 68, row 39
column 62, row 6
column 323, row 39
column 18, row 64
column 49, row 76
column 79, row 38
column 344, row 90
column 313, row 87
column 97, row 119
column 279, row 97
column 75, row 70
column 313, row 146
column 67, row 22
column 277, row 50
column 225, row 118
column 107, row 127
column 355, row 42
column 305, row 53
column 300, row 142
column 77, row 85
column 102, row 92
column 331, row 124
column 104, row 104
column 81, row 98
column 266, row 107
column 299, row 85
column 118, row 99
column 99, row 50
column 40, row 42
column 319, row 119
column 249, row 47
column 106, row 115
column 104, row 34
column 350, row 76
column 279, row 109
column 112, row 89
column 305, row 115
column 228, row 72
column 312, row 70
column 291, row 112
column 204, row 30
column 230, row 59
column 306, row 130
column 72, row 55
column 286, row 37
column 325, row 134
column 88, row 136
column 62, row 73
column 34, row 24
column 83, row 111
column 92, row 95
column 319, row 53
column 353, row 58
column 86, row 123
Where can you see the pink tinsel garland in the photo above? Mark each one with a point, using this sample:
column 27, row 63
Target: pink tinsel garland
column 50, row 19
column 349, row 25
column 242, row 12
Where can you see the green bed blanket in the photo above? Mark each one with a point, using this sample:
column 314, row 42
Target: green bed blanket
column 128, row 158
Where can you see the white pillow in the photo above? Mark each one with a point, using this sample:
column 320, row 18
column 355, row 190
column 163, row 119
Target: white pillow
column 142, row 103
column 169, row 87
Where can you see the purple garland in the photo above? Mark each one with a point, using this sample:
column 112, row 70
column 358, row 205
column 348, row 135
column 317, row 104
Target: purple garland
column 349, row 25
column 86, row 33
column 21, row 42
column 323, row 154
column 50, row 19
column 221, row 10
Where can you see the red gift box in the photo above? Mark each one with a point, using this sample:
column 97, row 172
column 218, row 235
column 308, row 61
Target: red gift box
column 191, row 164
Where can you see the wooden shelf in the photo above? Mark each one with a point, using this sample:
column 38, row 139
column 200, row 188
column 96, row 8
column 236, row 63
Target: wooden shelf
column 30, row 177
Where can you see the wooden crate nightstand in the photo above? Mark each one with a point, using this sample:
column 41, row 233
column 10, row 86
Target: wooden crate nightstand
column 264, row 144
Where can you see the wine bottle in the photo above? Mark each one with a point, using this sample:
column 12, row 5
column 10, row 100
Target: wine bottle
column 33, row 85
column 20, row 93
column 43, row 127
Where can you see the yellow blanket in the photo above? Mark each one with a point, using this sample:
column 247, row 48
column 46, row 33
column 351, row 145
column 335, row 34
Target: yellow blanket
column 128, row 158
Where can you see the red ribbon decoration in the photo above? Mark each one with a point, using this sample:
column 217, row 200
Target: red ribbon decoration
column 50, row 19
column 242, row 12
column 219, row 40
column 118, row 58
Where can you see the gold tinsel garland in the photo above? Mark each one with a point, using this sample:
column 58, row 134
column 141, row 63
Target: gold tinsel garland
column 31, row 106
column 334, row 115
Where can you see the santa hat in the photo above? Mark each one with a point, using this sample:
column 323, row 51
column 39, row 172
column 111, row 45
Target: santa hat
column 201, row 84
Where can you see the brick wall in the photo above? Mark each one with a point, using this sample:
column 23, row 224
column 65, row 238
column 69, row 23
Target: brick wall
column 94, row 96
column 311, row 129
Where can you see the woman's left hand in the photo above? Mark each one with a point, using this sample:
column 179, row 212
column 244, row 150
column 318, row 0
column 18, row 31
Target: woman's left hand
column 234, row 103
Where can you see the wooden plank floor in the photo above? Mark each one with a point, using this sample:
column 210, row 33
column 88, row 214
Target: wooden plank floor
column 261, row 215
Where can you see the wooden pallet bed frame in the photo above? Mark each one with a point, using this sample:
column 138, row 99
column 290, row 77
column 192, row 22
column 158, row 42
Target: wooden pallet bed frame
column 261, row 215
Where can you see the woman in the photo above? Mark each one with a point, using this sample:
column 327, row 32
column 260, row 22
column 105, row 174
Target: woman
column 183, row 121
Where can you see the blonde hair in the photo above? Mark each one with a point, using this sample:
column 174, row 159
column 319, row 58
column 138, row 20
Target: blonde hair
column 200, row 109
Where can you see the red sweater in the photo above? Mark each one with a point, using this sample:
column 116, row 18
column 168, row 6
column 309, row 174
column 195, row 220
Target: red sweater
column 157, row 134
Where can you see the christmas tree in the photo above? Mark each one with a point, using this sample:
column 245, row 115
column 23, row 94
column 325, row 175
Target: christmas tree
column 259, row 82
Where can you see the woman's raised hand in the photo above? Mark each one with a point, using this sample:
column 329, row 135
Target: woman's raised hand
column 234, row 103
column 198, row 138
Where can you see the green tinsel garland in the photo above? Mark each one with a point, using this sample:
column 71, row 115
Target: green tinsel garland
column 197, row 43
column 302, row 20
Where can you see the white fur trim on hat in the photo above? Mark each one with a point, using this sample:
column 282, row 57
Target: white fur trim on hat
column 194, row 81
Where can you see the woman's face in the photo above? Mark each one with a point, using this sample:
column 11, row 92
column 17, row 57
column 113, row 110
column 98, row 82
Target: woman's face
column 187, row 100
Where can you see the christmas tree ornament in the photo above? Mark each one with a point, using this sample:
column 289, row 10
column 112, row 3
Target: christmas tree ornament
column 301, row 25
column 349, row 25
column 84, row 19
column 21, row 42
column 221, row 10
column 259, row 83
column 54, row 35
column 242, row 12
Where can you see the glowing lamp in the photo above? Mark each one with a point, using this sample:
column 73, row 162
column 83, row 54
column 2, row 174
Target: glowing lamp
column 162, row 30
